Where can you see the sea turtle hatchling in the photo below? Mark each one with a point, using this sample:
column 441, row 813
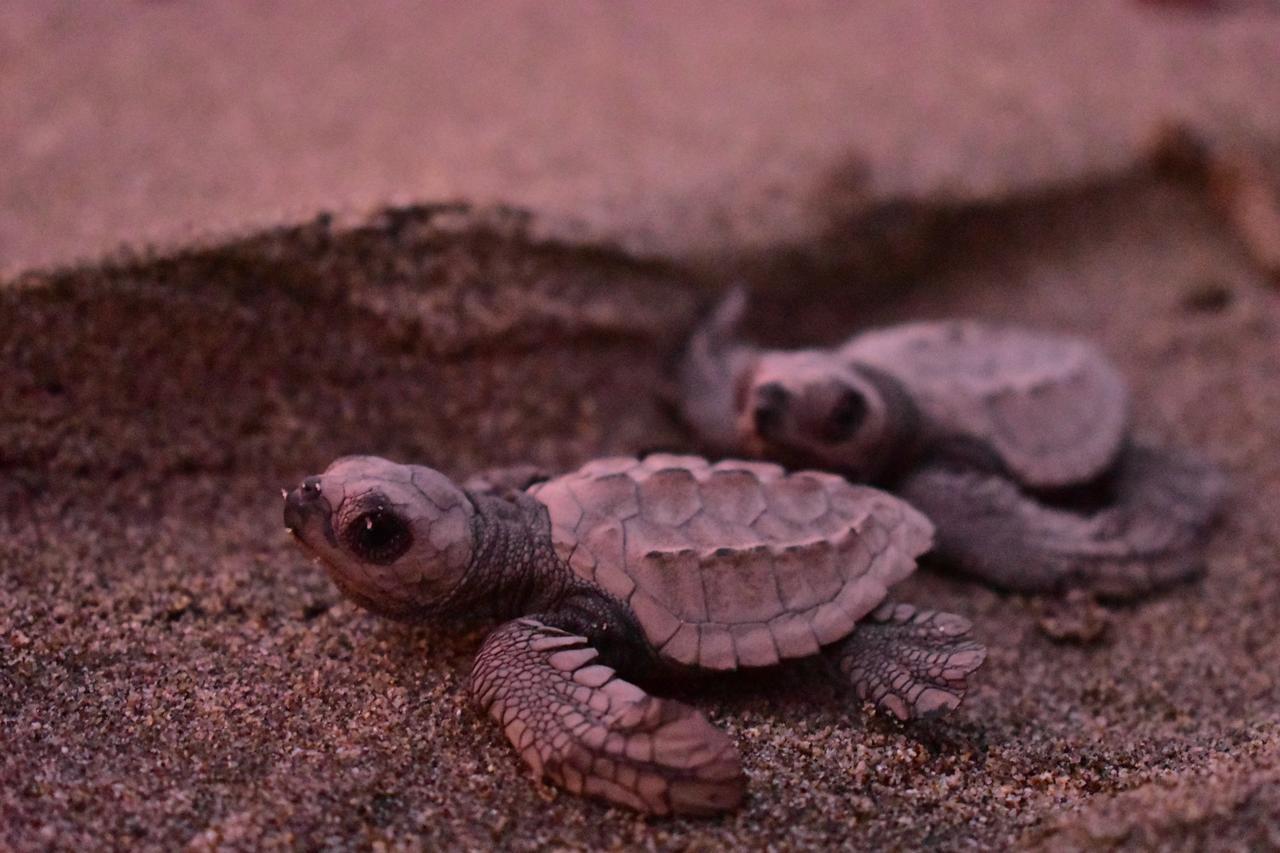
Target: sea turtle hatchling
column 1015, row 443
column 648, row 568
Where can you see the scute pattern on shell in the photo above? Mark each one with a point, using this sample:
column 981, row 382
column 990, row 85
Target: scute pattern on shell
column 1053, row 408
column 735, row 563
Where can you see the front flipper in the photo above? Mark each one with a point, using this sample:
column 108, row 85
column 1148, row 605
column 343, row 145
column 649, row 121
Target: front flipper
column 912, row 663
column 710, row 370
column 1149, row 535
column 580, row 725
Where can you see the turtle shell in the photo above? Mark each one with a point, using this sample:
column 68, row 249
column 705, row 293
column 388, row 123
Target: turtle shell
column 733, row 564
column 1052, row 408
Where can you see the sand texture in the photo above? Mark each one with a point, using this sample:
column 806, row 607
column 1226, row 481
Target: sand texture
column 173, row 672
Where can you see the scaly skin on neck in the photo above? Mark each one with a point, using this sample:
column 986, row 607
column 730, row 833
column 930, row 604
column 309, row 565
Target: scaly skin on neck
column 908, row 430
column 515, row 571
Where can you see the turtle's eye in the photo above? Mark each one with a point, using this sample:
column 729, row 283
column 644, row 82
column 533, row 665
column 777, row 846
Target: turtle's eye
column 379, row 536
column 771, row 405
column 848, row 413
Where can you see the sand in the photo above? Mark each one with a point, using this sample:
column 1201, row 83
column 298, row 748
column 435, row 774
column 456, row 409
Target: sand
column 174, row 672
column 692, row 130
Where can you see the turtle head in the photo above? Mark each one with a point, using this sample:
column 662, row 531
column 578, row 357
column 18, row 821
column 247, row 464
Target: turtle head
column 397, row 539
column 809, row 408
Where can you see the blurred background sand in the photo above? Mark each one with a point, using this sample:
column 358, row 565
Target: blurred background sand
column 683, row 128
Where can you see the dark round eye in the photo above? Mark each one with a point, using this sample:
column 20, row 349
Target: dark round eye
column 379, row 536
column 771, row 405
column 846, row 416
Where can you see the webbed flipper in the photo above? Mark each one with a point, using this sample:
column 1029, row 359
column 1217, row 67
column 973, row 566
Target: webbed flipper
column 1149, row 534
column 910, row 662
column 584, row 728
column 709, row 372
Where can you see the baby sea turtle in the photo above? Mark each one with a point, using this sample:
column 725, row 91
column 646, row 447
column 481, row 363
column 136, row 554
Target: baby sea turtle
column 650, row 568
column 1015, row 443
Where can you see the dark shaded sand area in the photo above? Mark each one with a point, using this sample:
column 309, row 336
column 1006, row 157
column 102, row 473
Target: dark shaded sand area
column 172, row 671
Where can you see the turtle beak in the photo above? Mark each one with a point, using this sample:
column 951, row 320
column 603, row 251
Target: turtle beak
column 306, row 505
column 770, row 407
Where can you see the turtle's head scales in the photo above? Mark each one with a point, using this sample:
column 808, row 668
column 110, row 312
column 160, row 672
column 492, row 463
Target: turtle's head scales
column 397, row 539
column 811, row 409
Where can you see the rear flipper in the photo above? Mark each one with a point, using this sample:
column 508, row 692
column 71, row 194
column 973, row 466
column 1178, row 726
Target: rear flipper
column 1188, row 490
column 912, row 663
column 1149, row 535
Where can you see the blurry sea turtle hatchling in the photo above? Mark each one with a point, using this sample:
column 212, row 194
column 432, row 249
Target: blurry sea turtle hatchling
column 649, row 568
column 1016, row 444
